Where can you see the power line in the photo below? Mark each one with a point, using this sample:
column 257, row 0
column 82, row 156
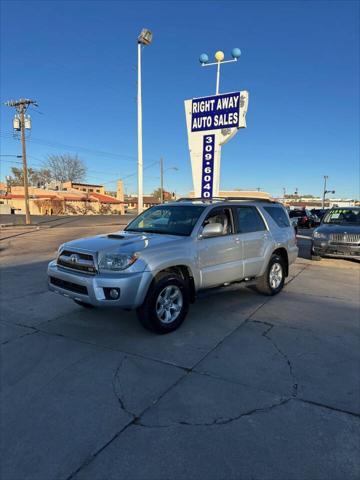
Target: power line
column 53, row 144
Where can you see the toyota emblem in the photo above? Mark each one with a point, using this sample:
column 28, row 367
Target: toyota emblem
column 73, row 258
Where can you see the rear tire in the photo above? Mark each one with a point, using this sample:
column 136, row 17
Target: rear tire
column 273, row 280
column 84, row 304
column 166, row 304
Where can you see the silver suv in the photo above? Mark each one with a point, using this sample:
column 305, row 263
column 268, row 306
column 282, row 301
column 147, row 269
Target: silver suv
column 159, row 262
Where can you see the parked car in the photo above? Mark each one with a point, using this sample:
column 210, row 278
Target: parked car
column 159, row 262
column 305, row 219
column 319, row 212
column 338, row 234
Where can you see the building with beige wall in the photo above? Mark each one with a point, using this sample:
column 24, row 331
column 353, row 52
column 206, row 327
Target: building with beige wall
column 71, row 201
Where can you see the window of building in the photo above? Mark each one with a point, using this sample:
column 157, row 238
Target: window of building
column 249, row 220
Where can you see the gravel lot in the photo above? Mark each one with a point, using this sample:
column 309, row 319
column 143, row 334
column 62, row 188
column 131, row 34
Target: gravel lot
column 250, row 387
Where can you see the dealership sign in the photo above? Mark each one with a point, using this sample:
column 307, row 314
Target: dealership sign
column 220, row 111
column 211, row 122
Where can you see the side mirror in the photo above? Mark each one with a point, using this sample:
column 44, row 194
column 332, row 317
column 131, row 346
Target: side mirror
column 212, row 230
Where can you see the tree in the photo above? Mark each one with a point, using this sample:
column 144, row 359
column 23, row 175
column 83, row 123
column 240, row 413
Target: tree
column 65, row 168
column 157, row 193
column 166, row 195
column 35, row 177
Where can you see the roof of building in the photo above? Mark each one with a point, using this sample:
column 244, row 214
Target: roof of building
column 105, row 198
column 146, row 199
column 70, row 197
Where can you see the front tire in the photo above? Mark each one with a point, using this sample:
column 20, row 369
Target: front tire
column 273, row 280
column 166, row 304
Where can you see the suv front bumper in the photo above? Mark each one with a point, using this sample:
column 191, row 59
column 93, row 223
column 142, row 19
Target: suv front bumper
column 324, row 248
column 90, row 288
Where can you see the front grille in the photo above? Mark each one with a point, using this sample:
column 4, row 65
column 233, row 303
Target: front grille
column 345, row 238
column 81, row 262
column 73, row 287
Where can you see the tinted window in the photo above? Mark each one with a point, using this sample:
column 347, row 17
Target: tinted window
column 249, row 220
column 278, row 215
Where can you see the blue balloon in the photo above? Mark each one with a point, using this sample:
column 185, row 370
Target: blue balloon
column 203, row 58
column 235, row 52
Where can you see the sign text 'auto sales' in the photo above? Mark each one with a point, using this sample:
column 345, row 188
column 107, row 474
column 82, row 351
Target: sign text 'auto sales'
column 217, row 112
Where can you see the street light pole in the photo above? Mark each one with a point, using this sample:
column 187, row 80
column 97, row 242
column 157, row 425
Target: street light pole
column 324, row 191
column 144, row 38
column 140, row 147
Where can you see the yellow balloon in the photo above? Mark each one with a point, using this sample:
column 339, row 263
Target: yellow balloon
column 219, row 56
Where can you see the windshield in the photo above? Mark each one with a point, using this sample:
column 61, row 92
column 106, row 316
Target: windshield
column 167, row 219
column 343, row 216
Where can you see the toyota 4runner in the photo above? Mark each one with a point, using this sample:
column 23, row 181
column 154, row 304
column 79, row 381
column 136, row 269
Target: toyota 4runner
column 159, row 262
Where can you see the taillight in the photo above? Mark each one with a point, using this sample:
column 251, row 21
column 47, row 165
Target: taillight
column 305, row 218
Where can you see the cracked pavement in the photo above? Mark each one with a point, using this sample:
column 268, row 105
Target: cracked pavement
column 250, row 387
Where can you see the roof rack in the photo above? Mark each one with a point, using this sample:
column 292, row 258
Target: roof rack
column 225, row 199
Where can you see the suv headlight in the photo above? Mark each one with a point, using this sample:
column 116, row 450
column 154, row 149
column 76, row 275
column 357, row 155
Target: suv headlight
column 116, row 261
column 320, row 235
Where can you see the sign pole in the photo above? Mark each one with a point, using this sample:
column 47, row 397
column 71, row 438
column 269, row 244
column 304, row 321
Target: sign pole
column 218, row 78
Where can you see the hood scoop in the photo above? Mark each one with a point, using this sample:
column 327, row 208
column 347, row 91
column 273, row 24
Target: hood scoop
column 116, row 235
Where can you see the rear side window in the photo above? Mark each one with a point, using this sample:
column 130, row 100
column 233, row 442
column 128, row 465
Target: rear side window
column 295, row 213
column 278, row 215
column 249, row 220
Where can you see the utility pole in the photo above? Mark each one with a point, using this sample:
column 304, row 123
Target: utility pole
column 161, row 180
column 21, row 106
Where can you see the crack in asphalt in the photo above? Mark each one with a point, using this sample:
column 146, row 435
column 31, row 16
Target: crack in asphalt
column 216, row 421
column 117, row 388
column 133, row 421
column 329, row 407
column 265, row 334
column 18, row 337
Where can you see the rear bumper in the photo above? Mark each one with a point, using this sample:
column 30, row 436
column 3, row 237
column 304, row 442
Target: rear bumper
column 90, row 288
column 322, row 248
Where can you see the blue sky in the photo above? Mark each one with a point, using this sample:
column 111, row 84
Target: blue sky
column 300, row 63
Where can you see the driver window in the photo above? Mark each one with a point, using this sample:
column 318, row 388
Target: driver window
column 222, row 216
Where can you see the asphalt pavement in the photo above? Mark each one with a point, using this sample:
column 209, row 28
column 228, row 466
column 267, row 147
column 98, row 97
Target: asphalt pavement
column 250, row 387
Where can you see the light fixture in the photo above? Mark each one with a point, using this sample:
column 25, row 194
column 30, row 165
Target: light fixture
column 145, row 37
column 203, row 58
column 219, row 56
column 235, row 53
